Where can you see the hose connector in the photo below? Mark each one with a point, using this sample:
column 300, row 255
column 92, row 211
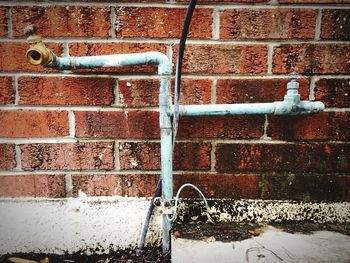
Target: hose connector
column 38, row 53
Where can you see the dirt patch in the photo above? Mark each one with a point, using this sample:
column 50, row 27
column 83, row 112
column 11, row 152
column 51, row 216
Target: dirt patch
column 150, row 255
column 228, row 232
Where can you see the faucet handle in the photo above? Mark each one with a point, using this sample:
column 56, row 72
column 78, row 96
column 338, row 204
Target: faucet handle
column 293, row 76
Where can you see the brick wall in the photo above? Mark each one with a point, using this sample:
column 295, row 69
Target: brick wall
column 96, row 131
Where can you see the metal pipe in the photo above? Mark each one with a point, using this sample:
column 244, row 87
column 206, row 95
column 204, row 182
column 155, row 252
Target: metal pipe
column 166, row 137
column 276, row 108
column 39, row 54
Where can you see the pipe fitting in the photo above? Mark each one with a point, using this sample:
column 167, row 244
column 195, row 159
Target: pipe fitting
column 38, row 53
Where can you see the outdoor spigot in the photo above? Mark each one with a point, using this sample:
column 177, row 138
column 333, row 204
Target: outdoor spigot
column 38, row 53
column 292, row 95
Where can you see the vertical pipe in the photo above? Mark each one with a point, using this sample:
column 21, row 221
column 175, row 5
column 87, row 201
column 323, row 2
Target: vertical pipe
column 166, row 153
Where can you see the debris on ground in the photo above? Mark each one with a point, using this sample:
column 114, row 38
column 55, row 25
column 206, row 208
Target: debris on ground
column 150, row 255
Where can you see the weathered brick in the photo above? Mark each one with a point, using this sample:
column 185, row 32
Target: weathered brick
column 13, row 57
column 333, row 92
column 256, row 90
column 91, row 49
column 325, row 126
column 312, row 58
column 314, row 1
column 102, row 124
column 219, row 185
column 335, row 24
column 146, row 156
column 157, row 22
column 68, row 156
column 296, row 157
column 31, row 123
column 305, row 187
column 145, row 93
column 223, row 1
column 7, row 156
column 234, row 127
column 115, row 185
column 7, row 93
column 267, row 23
column 139, row 93
column 195, row 91
column 224, row 59
column 62, row 21
column 33, row 185
column 65, row 91
column 3, row 22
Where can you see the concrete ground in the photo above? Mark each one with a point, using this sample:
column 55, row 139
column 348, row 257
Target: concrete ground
column 273, row 245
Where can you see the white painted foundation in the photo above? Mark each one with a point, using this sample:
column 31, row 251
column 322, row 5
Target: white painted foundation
column 101, row 224
column 74, row 224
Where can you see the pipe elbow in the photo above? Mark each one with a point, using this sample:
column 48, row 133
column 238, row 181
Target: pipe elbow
column 160, row 59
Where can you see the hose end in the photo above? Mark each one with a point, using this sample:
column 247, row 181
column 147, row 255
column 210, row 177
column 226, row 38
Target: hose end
column 38, row 53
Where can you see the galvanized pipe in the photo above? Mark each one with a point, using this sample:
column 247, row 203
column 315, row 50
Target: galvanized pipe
column 276, row 108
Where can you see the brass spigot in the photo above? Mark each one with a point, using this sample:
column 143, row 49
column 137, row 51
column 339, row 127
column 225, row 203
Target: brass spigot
column 38, row 53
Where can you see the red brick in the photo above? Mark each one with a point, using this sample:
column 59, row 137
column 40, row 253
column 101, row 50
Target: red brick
column 296, row 157
column 7, row 93
column 224, row 59
column 62, row 21
column 13, row 57
column 65, row 91
column 256, row 90
column 233, row 127
column 156, row 22
column 146, row 156
column 312, row 58
column 139, row 93
column 222, row 1
column 33, row 185
column 145, row 93
column 333, row 92
column 335, row 24
column 115, row 185
column 7, row 157
column 3, row 22
column 235, row 186
column 30, row 123
column 332, row 126
column 195, row 91
column 90, row 49
column 102, row 124
column 267, row 24
column 314, row 1
column 306, row 187
column 68, row 156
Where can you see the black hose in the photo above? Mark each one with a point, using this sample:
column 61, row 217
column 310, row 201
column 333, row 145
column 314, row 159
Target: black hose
column 157, row 193
column 178, row 71
column 180, row 54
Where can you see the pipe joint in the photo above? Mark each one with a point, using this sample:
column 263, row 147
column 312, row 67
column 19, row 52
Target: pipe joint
column 38, row 53
column 303, row 107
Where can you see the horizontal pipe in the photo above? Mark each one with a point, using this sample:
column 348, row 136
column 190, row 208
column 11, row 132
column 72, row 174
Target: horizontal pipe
column 90, row 62
column 277, row 108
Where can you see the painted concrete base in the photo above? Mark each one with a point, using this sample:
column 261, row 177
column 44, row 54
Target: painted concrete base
column 73, row 224
column 271, row 246
column 101, row 224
